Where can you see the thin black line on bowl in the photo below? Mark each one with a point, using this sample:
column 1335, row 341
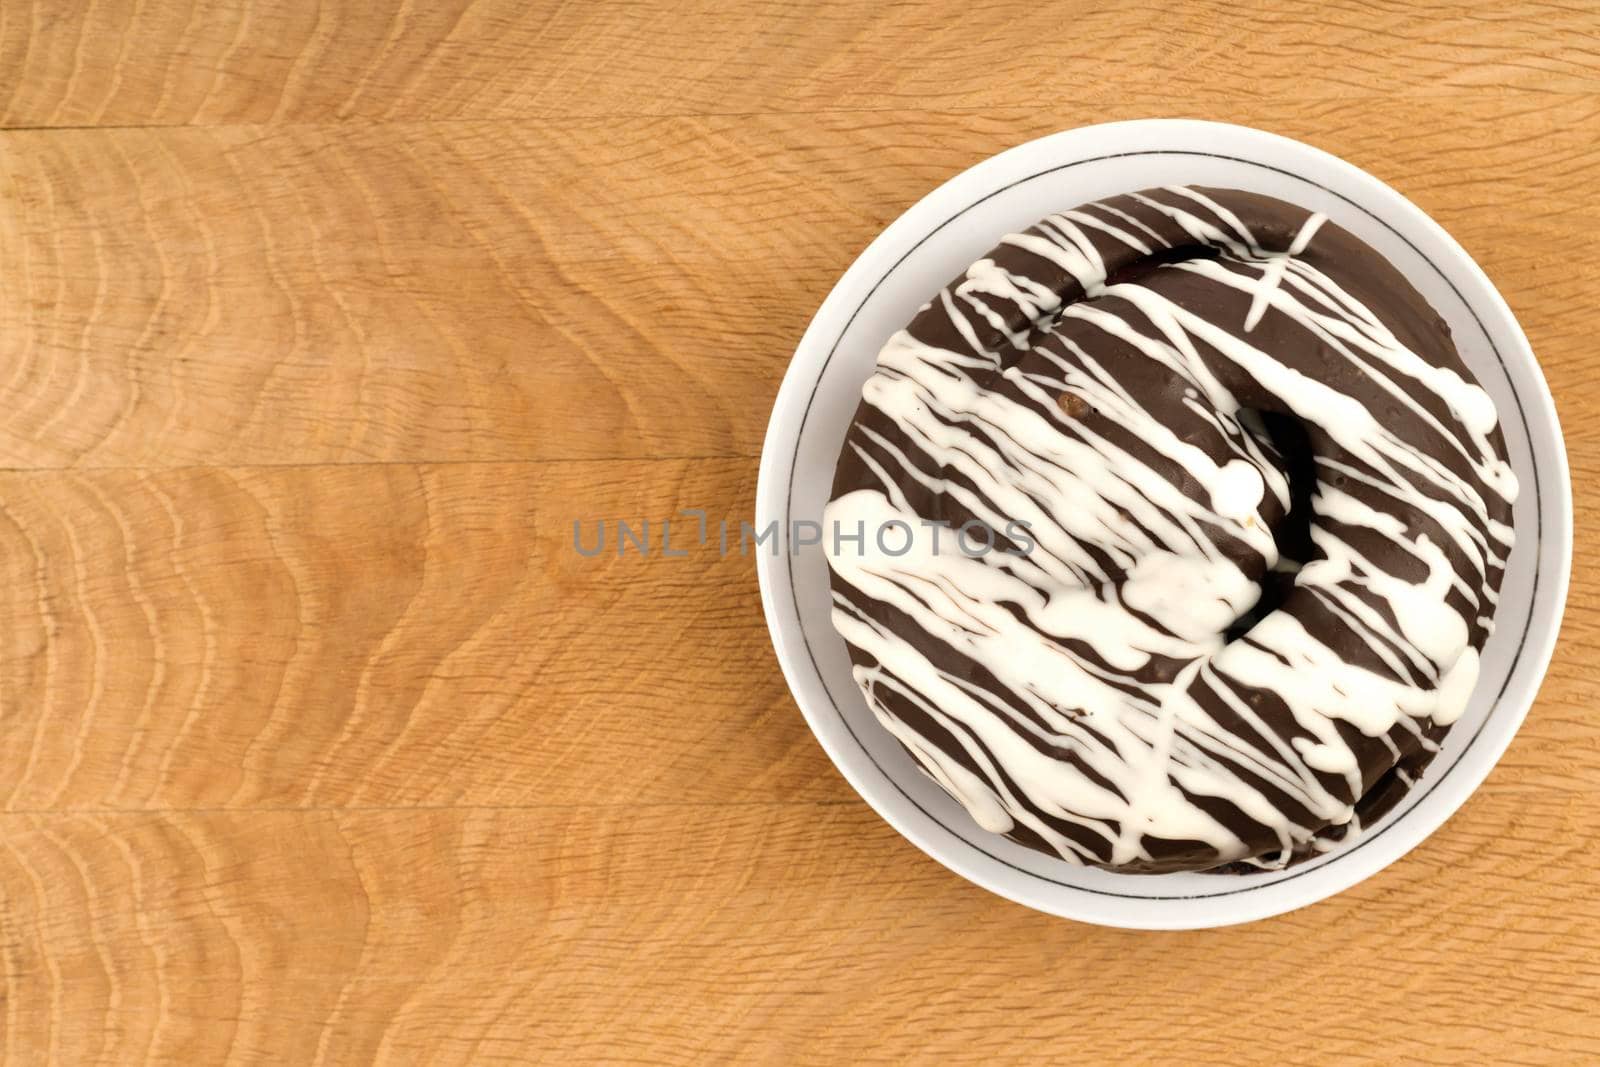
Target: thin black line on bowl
column 1415, row 797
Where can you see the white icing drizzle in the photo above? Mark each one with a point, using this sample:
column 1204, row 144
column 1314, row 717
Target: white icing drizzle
column 1275, row 268
column 1062, row 739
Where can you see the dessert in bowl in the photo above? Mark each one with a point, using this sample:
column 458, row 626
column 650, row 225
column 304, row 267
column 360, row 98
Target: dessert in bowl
column 1206, row 552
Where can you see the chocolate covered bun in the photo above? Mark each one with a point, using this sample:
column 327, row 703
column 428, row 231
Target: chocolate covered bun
column 1249, row 513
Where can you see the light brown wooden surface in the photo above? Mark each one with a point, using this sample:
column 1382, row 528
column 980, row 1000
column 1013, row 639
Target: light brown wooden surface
column 320, row 323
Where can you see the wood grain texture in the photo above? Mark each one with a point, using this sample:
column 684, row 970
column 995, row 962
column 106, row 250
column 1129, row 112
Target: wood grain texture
column 177, row 62
column 579, row 289
column 800, row 932
column 319, row 743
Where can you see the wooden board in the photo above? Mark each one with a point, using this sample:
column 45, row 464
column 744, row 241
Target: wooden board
column 319, row 743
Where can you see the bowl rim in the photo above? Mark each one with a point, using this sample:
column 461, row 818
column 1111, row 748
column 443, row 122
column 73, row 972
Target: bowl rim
column 781, row 447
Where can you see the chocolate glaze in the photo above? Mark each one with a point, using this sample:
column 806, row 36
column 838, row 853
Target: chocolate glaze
column 1271, row 512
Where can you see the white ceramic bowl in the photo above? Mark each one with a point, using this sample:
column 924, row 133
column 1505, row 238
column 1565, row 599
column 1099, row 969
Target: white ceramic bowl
column 939, row 237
